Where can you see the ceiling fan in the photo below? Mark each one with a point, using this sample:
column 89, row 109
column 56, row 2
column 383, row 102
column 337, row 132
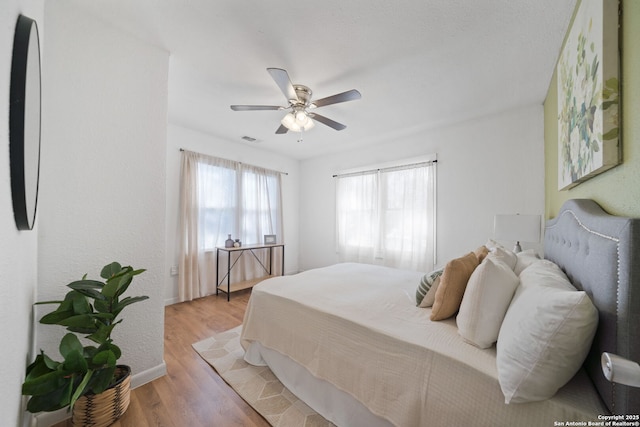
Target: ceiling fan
column 299, row 117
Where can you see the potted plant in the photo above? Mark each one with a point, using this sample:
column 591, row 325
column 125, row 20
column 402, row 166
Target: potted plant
column 90, row 308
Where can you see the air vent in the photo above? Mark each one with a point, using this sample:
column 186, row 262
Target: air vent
column 250, row 139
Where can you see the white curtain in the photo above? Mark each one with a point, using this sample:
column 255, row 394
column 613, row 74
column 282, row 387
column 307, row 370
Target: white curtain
column 218, row 198
column 261, row 203
column 387, row 217
column 259, row 213
column 188, row 276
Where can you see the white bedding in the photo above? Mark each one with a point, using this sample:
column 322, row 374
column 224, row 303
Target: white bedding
column 356, row 326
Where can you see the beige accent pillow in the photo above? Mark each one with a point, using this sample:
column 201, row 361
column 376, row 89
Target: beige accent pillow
column 452, row 285
column 485, row 302
column 481, row 253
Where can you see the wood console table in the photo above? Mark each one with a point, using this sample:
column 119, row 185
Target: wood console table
column 268, row 269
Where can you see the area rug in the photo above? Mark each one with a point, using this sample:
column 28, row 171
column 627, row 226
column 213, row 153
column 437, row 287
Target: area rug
column 256, row 384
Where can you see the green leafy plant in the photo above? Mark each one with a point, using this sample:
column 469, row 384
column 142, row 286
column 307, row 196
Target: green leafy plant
column 90, row 308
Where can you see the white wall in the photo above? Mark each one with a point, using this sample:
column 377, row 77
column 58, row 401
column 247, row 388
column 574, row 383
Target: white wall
column 486, row 166
column 18, row 249
column 102, row 185
column 109, row 184
column 180, row 137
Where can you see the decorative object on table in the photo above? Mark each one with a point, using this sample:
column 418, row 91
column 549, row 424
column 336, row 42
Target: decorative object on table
column 237, row 243
column 588, row 95
column 229, row 242
column 88, row 381
column 269, row 239
column 24, row 122
column 518, row 228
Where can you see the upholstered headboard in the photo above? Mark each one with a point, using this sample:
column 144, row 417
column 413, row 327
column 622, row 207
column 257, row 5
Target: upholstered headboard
column 600, row 253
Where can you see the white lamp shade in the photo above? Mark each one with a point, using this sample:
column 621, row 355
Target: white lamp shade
column 519, row 228
column 289, row 121
column 301, row 118
column 298, row 122
column 307, row 123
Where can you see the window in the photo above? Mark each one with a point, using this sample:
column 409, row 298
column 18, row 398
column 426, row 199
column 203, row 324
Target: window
column 220, row 197
column 387, row 216
column 238, row 199
column 218, row 202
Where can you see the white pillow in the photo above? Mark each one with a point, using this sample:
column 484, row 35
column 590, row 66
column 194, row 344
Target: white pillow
column 524, row 260
column 545, row 336
column 545, row 273
column 491, row 244
column 485, row 302
column 504, row 255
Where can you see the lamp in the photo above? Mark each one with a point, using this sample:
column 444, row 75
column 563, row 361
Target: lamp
column 521, row 228
column 297, row 121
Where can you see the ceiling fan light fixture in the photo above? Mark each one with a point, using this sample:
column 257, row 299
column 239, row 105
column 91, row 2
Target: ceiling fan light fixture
column 297, row 122
column 298, row 118
column 289, row 121
column 301, row 118
column 309, row 125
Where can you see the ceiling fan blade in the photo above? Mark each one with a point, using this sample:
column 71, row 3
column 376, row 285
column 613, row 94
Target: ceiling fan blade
column 282, row 129
column 255, row 107
column 350, row 95
column 325, row 121
column 281, row 77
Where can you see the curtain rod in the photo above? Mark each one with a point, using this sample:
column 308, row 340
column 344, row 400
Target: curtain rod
column 407, row 166
column 283, row 173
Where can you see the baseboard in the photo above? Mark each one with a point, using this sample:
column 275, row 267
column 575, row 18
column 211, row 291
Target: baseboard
column 144, row 377
column 171, row 301
column 46, row 419
column 175, row 300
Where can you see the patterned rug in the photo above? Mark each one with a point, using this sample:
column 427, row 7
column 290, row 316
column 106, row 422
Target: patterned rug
column 256, row 384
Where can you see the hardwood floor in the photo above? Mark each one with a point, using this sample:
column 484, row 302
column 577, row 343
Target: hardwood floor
column 191, row 394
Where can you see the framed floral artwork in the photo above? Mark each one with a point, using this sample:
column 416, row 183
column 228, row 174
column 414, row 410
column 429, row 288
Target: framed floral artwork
column 588, row 95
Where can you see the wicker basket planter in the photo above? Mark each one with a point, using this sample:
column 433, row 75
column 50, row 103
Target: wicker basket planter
column 104, row 409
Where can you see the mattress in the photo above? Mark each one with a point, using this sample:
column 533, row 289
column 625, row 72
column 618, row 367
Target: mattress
column 356, row 327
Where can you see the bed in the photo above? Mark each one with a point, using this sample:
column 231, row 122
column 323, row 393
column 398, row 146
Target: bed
column 350, row 341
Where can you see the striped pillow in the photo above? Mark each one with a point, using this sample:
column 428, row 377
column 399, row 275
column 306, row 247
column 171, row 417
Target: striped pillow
column 427, row 281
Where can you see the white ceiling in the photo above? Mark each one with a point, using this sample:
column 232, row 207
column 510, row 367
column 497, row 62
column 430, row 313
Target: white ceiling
column 418, row 63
